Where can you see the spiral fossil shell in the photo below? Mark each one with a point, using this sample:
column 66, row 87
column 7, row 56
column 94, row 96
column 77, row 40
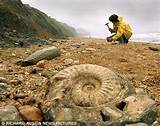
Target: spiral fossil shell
column 88, row 85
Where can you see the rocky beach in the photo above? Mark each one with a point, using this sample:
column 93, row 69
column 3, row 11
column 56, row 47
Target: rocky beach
column 50, row 75
column 27, row 85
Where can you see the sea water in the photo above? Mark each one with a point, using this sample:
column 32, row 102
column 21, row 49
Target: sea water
column 146, row 37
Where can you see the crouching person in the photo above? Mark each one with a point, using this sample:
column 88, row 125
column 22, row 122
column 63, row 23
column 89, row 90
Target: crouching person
column 122, row 30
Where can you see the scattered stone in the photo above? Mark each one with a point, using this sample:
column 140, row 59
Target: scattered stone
column 39, row 45
column 64, row 51
column 63, row 41
column 16, row 82
column 84, row 51
column 14, row 31
column 3, row 85
column 156, row 123
column 10, row 70
column 32, row 71
column 76, row 62
column 41, row 63
column 13, row 54
column 31, row 100
column 3, row 80
column 113, row 113
column 68, row 54
column 76, row 46
column 154, row 48
column 30, row 113
column 90, row 49
column 21, row 96
column 68, row 62
column 123, row 60
column 64, row 114
column 137, row 124
column 140, row 91
column 58, row 68
column 9, row 113
column 21, row 44
column 3, row 97
column 52, row 40
column 46, row 53
column 47, row 73
column 4, row 88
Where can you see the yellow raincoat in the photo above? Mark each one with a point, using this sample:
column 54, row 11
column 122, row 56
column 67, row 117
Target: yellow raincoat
column 121, row 28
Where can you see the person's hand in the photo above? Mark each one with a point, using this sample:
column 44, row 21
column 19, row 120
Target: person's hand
column 110, row 29
column 109, row 39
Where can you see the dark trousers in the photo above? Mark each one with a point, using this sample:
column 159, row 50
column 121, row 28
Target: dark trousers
column 121, row 40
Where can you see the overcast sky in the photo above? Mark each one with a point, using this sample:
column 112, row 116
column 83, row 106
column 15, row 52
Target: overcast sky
column 91, row 15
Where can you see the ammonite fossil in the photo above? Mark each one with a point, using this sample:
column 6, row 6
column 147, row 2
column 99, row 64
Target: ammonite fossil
column 88, row 85
column 94, row 95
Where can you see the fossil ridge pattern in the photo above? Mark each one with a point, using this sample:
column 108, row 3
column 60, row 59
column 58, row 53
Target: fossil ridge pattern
column 88, row 85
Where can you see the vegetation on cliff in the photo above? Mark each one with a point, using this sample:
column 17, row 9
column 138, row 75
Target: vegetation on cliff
column 31, row 21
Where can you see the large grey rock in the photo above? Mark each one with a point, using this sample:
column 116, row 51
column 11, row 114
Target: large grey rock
column 46, row 53
column 9, row 113
column 141, row 108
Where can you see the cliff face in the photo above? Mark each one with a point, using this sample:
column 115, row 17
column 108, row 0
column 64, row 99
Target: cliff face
column 28, row 20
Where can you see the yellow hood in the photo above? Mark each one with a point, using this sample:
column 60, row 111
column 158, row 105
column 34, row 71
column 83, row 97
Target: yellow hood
column 120, row 19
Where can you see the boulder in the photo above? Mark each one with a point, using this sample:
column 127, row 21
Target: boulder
column 141, row 108
column 46, row 53
column 30, row 113
column 9, row 113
